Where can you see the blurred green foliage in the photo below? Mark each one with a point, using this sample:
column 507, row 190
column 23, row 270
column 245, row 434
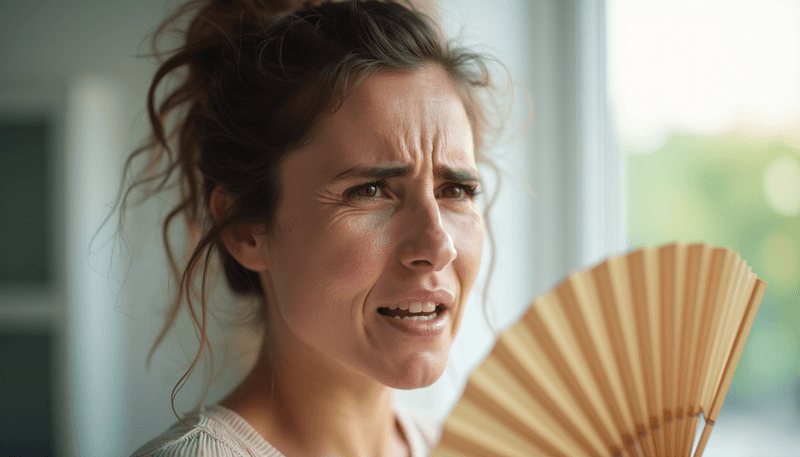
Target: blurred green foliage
column 741, row 192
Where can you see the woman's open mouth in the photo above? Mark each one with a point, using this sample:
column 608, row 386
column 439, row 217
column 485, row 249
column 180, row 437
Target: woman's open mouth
column 416, row 311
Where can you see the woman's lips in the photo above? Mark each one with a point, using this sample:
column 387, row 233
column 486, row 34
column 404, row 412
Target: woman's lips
column 421, row 324
column 417, row 300
column 424, row 310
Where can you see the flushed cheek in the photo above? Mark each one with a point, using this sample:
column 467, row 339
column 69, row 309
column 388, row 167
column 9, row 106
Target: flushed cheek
column 353, row 252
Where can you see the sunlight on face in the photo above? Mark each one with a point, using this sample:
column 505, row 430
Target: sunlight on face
column 377, row 214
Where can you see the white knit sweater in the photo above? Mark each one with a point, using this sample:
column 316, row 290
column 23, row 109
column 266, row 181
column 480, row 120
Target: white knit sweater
column 215, row 431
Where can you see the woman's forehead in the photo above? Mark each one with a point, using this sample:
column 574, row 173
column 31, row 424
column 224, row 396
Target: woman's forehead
column 402, row 117
column 428, row 83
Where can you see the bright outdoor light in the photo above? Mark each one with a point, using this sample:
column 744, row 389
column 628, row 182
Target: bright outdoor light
column 782, row 185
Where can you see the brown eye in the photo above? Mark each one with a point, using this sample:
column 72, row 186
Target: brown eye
column 367, row 191
column 453, row 192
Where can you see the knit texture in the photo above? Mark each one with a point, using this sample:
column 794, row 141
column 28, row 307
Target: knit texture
column 215, row 431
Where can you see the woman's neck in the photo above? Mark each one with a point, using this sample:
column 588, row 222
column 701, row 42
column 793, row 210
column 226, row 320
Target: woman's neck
column 305, row 404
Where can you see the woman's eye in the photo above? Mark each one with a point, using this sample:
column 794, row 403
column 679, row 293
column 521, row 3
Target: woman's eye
column 367, row 191
column 453, row 192
column 459, row 191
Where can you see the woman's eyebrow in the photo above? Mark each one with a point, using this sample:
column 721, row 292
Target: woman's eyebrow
column 377, row 172
column 458, row 175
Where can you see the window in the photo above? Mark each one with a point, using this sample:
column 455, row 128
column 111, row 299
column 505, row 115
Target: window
column 706, row 96
column 24, row 200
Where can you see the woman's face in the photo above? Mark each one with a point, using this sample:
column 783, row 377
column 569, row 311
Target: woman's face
column 378, row 214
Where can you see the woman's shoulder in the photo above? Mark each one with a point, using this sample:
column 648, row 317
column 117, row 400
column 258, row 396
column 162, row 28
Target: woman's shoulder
column 209, row 431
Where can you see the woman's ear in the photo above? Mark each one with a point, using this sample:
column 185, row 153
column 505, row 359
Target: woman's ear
column 247, row 242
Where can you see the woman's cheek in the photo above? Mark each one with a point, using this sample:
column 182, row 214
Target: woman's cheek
column 467, row 233
column 466, row 230
column 355, row 249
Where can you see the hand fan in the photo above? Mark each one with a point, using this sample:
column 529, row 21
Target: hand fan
column 619, row 360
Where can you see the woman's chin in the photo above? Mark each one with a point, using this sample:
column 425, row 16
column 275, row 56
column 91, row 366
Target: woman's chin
column 417, row 374
column 415, row 385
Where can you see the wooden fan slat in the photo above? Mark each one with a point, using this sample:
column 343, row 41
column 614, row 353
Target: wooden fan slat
column 534, row 367
column 636, row 322
column 716, row 287
column 582, row 388
column 754, row 294
column 577, row 296
column 686, row 265
column 563, row 343
column 707, row 291
column 698, row 262
column 686, row 444
column 529, row 413
column 468, row 433
column 451, row 451
column 671, row 285
column 738, row 313
column 549, row 327
column 539, row 434
column 656, row 400
column 566, row 354
column 641, row 287
column 526, row 413
column 719, row 337
column 631, row 317
column 609, row 323
column 729, row 326
column 758, row 287
column 517, row 351
column 617, row 310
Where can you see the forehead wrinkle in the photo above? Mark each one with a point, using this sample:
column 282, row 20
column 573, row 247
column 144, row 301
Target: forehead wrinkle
column 416, row 115
column 424, row 131
column 402, row 117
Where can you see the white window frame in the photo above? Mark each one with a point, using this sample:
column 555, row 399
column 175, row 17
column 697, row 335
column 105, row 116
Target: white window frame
column 78, row 306
column 42, row 307
column 580, row 215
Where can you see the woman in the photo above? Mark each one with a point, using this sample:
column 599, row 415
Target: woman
column 328, row 158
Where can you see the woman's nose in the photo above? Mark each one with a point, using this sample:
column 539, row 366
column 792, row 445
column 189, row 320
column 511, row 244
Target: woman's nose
column 426, row 244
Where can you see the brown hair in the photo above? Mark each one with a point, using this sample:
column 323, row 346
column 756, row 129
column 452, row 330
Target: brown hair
column 254, row 80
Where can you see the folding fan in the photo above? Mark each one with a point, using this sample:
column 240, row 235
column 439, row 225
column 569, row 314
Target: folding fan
column 619, row 360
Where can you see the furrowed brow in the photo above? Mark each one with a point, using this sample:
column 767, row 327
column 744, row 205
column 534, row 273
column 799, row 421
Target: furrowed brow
column 456, row 175
column 444, row 173
column 376, row 172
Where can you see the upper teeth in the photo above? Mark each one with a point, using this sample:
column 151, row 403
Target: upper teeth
column 416, row 307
